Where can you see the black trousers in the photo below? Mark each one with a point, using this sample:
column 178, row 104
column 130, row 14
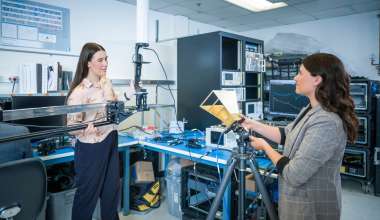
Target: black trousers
column 97, row 176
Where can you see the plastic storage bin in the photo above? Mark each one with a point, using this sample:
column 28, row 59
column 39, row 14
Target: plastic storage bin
column 60, row 204
column 173, row 186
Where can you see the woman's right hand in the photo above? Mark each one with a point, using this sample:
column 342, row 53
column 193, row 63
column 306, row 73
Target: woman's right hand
column 258, row 143
column 91, row 129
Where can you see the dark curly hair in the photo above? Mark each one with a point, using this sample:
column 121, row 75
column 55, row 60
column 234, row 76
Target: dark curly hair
column 333, row 93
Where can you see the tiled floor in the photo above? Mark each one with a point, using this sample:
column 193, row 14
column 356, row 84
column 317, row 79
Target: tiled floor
column 161, row 213
column 356, row 205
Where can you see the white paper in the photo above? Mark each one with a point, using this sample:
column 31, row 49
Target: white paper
column 9, row 30
column 228, row 99
column 52, row 78
column 48, row 38
column 27, row 33
column 44, row 78
column 33, row 78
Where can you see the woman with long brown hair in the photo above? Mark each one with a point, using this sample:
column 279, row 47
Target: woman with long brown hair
column 314, row 143
column 96, row 159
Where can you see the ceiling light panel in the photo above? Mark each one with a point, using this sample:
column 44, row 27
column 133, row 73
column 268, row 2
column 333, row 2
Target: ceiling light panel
column 257, row 5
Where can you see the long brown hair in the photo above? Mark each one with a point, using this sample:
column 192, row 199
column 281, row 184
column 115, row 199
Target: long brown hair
column 333, row 93
column 88, row 50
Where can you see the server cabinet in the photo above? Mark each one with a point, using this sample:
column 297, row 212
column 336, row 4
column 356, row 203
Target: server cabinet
column 377, row 148
column 215, row 61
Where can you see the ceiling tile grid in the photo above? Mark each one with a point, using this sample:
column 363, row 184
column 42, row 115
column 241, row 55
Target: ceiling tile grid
column 226, row 15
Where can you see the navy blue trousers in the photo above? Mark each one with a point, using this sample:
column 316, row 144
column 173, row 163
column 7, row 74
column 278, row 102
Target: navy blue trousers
column 97, row 176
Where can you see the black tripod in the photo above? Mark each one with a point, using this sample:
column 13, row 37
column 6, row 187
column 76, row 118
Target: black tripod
column 240, row 155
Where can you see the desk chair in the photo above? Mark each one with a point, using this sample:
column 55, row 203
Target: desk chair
column 14, row 150
column 22, row 189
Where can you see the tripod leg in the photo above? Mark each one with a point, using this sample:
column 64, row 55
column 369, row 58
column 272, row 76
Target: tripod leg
column 241, row 198
column 261, row 188
column 222, row 188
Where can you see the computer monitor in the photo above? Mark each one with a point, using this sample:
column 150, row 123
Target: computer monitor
column 21, row 102
column 283, row 99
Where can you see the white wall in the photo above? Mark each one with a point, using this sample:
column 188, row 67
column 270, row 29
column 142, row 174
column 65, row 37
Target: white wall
column 112, row 24
column 352, row 38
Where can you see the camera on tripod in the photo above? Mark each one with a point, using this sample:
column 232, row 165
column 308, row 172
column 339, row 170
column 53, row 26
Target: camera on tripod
column 223, row 105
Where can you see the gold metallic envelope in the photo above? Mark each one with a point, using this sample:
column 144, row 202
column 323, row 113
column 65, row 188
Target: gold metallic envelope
column 223, row 105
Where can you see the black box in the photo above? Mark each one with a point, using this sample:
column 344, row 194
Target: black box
column 377, row 148
column 357, row 162
column 366, row 131
column 363, row 92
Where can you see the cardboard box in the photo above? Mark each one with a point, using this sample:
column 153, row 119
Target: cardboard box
column 185, row 162
column 142, row 172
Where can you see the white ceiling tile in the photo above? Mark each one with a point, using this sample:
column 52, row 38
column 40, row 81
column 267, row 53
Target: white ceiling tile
column 203, row 17
column 367, row 6
column 294, row 2
column 278, row 13
column 204, row 5
column 247, row 19
column 128, row 1
column 264, row 16
column 321, row 5
column 241, row 28
column 342, row 11
column 173, row 1
column 177, row 10
column 268, row 23
column 295, row 19
column 157, row 4
column 229, row 11
column 224, row 23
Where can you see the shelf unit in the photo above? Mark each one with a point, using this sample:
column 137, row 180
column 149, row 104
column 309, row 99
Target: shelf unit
column 363, row 92
column 376, row 154
column 355, row 163
column 218, row 61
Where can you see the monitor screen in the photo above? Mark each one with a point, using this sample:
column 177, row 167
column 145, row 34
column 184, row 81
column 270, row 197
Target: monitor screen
column 20, row 102
column 283, row 99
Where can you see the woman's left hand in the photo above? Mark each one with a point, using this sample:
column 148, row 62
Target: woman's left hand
column 130, row 91
column 258, row 143
column 106, row 85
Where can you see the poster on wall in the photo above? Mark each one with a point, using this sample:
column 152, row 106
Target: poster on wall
column 31, row 24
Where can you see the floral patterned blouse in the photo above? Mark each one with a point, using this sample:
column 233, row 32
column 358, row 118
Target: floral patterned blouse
column 89, row 93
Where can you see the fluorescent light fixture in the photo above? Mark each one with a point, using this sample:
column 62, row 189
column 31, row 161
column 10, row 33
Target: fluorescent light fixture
column 257, row 5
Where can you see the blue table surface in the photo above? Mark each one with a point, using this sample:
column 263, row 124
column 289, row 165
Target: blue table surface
column 218, row 153
column 262, row 162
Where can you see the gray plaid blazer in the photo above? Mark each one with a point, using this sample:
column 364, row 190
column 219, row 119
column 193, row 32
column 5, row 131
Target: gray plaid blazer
column 310, row 186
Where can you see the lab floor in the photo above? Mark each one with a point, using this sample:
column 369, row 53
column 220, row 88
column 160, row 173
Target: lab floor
column 355, row 205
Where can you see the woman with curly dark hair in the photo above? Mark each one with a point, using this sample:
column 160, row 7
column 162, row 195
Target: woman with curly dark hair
column 314, row 143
